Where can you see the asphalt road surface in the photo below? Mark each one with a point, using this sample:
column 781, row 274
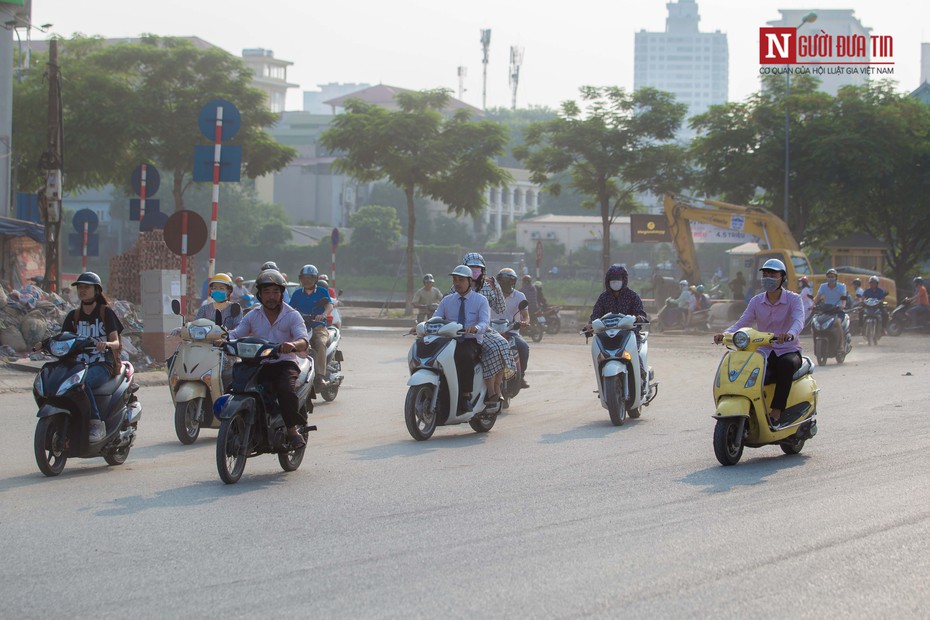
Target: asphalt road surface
column 554, row 513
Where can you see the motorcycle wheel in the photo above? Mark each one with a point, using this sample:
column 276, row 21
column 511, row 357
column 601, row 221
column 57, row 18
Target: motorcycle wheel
column 635, row 412
column 728, row 446
column 895, row 328
column 553, row 325
column 870, row 338
column 290, row 461
column 48, row 439
column 186, row 425
column 421, row 421
column 118, row 457
column 613, row 394
column 482, row 423
column 794, row 447
column 229, row 462
column 840, row 358
column 821, row 360
column 536, row 333
column 329, row 394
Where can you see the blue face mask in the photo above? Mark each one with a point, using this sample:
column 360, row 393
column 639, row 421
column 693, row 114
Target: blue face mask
column 218, row 295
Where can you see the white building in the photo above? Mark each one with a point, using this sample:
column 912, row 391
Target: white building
column 314, row 99
column 508, row 204
column 575, row 232
column 692, row 65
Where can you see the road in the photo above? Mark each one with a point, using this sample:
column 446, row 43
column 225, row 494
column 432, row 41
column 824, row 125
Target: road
column 554, row 513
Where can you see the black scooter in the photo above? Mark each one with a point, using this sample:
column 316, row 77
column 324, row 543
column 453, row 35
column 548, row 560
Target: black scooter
column 64, row 411
column 901, row 321
column 823, row 329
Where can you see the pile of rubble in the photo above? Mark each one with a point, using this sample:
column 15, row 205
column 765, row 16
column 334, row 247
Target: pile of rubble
column 27, row 318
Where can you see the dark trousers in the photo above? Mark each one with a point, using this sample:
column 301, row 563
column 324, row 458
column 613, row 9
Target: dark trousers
column 466, row 356
column 282, row 377
column 523, row 350
column 784, row 367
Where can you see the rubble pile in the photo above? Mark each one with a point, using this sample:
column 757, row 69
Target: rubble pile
column 148, row 253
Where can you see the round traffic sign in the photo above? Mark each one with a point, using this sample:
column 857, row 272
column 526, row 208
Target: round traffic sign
column 334, row 238
column 208, row 116
column 85, row 216
column 152, row 180
column 196, row 232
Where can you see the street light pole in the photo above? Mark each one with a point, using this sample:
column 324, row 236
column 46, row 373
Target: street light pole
column 808, row 19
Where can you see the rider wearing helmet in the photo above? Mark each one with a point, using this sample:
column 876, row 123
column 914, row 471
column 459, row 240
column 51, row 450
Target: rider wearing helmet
column 857, row 287
column 876, row 292
column 920, row 303
column 777, row 310
column 618, row 297
column 276, row 321
column 221, row 289
column 94, row 319
column 507, row 278
column 239, row 290
column 426, row 295
column 314, row 304
column 697, row 302
column 496, row 357
column 807, row 296
column 529, row 291
column 471, row 310
column 833, row 292
column 678, row 310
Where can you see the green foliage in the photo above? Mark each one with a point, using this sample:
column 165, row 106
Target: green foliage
column 613, row 146
column 375, row 229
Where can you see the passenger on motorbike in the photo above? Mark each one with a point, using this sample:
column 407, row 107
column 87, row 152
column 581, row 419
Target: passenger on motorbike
column 680, row 309
column 94, row 319
column 920, row 304
column 278, row 322
column 618, row 297
column 495, row 350
column 220, row 290
column 834, row 293
column 529, row 291
column 781, row 312
column 540, row 298
column 239, row 291
column 470, row 309
column 507, row 278
column 427, row 294
column 807, row 296
column 698, row 302
column 857, row 287
column 876, row 292
column 313, row 301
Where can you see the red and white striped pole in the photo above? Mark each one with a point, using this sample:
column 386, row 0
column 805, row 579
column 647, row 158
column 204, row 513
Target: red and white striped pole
column 332, row 278
column 142, row 193
column 84, row 250
column 217, row 139
column 184, row 263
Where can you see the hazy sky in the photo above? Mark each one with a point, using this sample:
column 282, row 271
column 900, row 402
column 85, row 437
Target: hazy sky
column 419, row 44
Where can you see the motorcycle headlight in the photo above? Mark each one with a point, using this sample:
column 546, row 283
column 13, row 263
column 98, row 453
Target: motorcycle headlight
column 740, row 340
column 198, row 332
column 75, row 379
column 60, row 348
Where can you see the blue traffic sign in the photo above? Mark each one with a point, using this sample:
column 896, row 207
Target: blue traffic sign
column 154, row 220
column 152, row 180
column 76, row 243
column 334, row 238
column 231, row 120
column 152, row 205
column 230, row 164
column 88, row 216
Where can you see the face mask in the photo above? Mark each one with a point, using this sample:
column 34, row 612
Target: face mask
column 218, row 295
column 616, row 285
column 770, row 284
column 475, row 272
column 831, row 280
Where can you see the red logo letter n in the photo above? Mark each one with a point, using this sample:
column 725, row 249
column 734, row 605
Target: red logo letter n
column 777, row 46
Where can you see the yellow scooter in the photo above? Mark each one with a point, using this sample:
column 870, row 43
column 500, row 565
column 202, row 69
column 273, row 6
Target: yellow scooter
column 744, row 395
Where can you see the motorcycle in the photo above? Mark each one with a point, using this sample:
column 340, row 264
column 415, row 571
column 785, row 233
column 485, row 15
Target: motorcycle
column 333, row 372
column 670, row 317
column 250, row 417
column 426, row 312
column 624, row 379
column 872, row 320
column 64, row 411
column 433, row 393
column 537, row 326
column 196, row 374
column 824, row 331
column 901, row 321
column 553, row 321
column 509, row 329
column 743, row 392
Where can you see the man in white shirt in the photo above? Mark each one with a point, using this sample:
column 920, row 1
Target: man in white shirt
column 507, row 278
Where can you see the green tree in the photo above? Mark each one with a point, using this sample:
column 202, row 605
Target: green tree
column 392, row 196
column 134, row 102
column 448, row 158
column 375, row 229
column 614, row 145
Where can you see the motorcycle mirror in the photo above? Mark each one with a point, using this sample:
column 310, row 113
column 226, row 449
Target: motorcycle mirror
column 235, row 310
column 176, row 306
column 524, row 305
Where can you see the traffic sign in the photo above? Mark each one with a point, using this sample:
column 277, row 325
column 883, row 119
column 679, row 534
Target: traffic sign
column 76, row 244
column 79, row 219
column 152, row 206
column 231, row 120
column 196, row 232
column 152, row 181
column 334, row 238
column 230, row 164
column 153, row 220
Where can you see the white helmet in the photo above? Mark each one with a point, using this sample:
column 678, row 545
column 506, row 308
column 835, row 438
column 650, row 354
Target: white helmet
column 683, row 283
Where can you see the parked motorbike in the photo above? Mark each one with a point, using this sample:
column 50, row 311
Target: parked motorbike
column 743, row 391
column 426, row 312
column 250, row 416
column 624, row 379
column 433, row 393
column 196, row 374
column 553, row 321
column 823, row 329
column 872, row 320
column 64, row 411
column 901, row 321
column 509, row 330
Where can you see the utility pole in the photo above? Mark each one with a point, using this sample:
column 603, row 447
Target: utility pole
column 485, row 44
column 463, row 71
column 51, row 162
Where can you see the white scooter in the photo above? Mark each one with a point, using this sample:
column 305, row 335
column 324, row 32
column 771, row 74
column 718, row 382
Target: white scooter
column 334, row 358
column 433, row 396
column 623, row 385
column 195, row 375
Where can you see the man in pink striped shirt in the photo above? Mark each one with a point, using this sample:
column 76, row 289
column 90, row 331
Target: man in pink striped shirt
column 781, row 312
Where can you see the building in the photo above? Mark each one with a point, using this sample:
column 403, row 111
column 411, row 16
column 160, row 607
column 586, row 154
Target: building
column 508, row 204
column 575, row 232
column 840, row 22
column 269, row 74
column 314, row 99
column 690, row 64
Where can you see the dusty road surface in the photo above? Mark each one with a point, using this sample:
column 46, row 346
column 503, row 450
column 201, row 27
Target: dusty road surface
column 554, row 513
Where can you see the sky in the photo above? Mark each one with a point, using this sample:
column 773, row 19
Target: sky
column 419, row 44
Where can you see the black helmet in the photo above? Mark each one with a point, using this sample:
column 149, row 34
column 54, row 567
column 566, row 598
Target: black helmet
column 269, row 265
column 88, row 277
column 270, row 277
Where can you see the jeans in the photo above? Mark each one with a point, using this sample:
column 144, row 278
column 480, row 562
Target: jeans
column 97, row 375
column 523, row 350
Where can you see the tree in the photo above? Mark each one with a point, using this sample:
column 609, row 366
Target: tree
column 613, row 147
column 139, row 102
column 448, row 158
column 375, row 229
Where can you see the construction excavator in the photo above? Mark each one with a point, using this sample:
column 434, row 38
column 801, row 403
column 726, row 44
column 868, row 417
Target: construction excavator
column 774, row 235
